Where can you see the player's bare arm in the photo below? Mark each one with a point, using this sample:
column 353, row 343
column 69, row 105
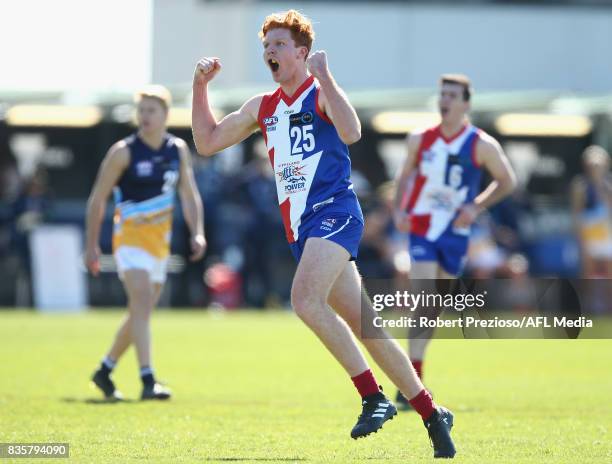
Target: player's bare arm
column 209, row 135
column 401, row 216
column 489, row 154
column 113, row 166
column 191, row 203
column 333, row 101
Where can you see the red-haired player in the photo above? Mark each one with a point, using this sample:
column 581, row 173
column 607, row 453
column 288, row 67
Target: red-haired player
column 307, row 124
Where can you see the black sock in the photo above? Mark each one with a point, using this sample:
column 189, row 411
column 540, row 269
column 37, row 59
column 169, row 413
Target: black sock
column 107, row 365
column 147, row 377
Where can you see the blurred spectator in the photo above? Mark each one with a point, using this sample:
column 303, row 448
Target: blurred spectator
column 210, row 182
column 591, row 197
column 485, row 259
column 223, row 284
column 9, row 175
column 383, row 251
column 504, row 217
column 9, row 188
column 29, row 212
column 263, row 244
column 495, row 246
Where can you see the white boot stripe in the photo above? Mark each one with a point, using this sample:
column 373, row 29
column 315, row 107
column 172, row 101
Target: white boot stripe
column 383, row 405
column 378, row 415
column 381, row 410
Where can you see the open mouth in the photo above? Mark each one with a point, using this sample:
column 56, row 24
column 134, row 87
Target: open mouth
column 273, row 64
column 444, row 111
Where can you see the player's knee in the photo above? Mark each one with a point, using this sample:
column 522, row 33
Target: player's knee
column 302, row 306
column 141, row 306
column 140, row 313
column 306, row 303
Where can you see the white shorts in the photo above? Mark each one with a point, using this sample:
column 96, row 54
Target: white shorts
column 128, row 257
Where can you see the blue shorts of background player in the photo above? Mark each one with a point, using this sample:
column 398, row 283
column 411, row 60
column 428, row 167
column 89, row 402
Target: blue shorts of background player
column 449, row 251
column 341, row 228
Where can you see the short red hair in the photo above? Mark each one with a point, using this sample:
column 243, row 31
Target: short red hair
column 299, row 25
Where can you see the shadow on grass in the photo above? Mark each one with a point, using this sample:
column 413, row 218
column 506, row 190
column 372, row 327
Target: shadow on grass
column 98, row 401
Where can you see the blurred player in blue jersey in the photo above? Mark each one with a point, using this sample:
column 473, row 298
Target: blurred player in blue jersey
column 307, row 124
column 143, row 171
column 438, row 195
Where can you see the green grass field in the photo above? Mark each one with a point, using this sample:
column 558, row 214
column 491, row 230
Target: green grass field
column 258, row 387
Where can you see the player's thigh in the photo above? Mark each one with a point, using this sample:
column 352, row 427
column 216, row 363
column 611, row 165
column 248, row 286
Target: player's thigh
column 139, row 288
column 423, row 258
column 320, row 265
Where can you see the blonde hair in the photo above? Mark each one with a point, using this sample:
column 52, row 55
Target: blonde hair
column 596, row 155
column 159, row 92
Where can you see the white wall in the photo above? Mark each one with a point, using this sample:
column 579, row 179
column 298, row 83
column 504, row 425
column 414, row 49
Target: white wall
column 382, row 45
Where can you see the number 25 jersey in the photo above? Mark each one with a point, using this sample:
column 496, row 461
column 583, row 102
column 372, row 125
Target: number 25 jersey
column 311, row 164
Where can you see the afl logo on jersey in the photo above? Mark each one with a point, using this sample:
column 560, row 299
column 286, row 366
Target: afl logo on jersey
column 144, row 168
column 270, row 123
column 272, row 120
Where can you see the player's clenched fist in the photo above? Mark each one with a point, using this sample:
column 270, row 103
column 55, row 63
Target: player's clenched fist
column 317, row 64
column 206, row 69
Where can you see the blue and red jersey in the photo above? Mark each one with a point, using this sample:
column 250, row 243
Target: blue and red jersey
column 448, row 176
column 311, row 164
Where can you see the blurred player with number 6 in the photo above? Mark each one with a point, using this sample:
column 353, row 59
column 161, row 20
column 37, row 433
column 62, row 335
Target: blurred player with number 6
column 438, row 196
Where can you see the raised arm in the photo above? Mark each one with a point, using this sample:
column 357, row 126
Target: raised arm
column 113, row 166
column 333, row 101
column 209, row 135
column 402, row 181
column 489, row 154
column 191, row 203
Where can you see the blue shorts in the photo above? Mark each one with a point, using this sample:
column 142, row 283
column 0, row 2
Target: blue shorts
column 449, row 251
column 341, row 228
